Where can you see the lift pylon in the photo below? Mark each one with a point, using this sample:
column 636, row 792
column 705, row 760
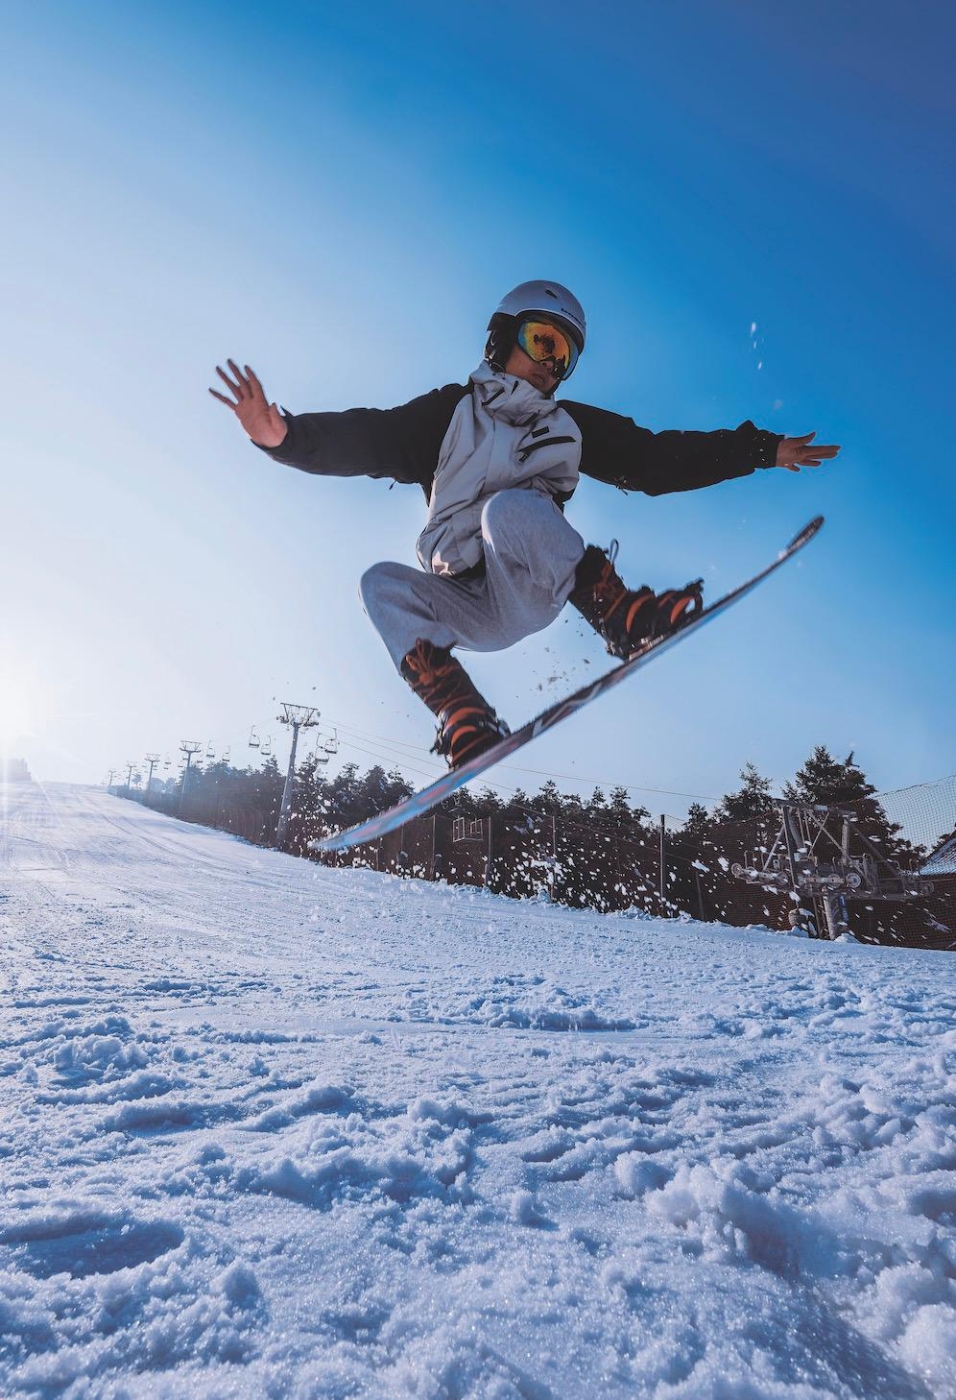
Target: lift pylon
column 809, row 861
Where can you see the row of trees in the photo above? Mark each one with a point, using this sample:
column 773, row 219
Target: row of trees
column 601, row 850
column 323, row 803
column 822, row 780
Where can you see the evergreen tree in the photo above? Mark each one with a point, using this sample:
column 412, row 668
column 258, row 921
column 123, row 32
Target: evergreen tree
column 698, row 824
column 308, row 806
column 269, row 783
column 751, row 800
column 516, row 806
column 397, row 787
column 372, row 789
column 621, row 814
column 548, row 800
column 825, row 781
column 459, row 804
column 596, row 809
column 488, row 803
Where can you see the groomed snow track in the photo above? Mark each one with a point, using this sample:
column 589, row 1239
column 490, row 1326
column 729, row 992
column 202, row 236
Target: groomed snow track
column 275, row 1130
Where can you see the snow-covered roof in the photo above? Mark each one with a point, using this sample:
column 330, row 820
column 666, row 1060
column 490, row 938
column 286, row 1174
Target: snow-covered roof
column 943, row 860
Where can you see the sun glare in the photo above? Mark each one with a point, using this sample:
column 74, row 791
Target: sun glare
column 18, row 717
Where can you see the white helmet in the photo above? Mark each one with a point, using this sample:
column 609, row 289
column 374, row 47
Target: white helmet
column 547, row 299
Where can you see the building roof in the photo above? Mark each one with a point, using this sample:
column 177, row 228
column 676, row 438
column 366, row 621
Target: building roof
column 943, row 859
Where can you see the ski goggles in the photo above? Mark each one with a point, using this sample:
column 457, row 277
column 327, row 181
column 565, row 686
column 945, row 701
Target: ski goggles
column 544, row 341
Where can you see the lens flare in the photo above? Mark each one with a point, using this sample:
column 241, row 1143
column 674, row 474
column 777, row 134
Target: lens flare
column 16, row 713
column 25, row 706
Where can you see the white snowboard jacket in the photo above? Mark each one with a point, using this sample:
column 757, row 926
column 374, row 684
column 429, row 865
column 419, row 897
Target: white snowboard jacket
column 464, row 442
column 505, row 433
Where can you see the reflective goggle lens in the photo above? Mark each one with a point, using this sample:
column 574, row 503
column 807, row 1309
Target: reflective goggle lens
column 543, row 341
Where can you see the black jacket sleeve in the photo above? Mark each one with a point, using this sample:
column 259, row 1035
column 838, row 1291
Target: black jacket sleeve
column 617, row 451
column 401, row 443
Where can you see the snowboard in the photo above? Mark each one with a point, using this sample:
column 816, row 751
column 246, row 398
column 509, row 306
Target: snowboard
column 423, row 801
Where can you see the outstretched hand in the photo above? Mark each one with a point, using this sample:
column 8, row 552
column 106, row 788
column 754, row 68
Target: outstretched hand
column 796, row 452
column 261, row 420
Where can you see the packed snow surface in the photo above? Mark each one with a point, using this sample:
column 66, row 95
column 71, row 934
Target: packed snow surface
column 274, row 1130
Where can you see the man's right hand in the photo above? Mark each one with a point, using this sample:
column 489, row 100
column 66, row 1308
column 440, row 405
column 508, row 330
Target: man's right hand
column 261, row 420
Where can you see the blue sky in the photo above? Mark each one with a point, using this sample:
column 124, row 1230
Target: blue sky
column 339, row 196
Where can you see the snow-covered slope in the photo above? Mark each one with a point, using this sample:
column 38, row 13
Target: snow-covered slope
column 272, row 1130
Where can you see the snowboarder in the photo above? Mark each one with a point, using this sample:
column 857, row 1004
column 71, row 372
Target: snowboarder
column 498, row 458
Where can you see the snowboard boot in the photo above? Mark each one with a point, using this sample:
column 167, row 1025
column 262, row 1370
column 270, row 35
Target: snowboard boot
column 627, row 618
column 467, row 725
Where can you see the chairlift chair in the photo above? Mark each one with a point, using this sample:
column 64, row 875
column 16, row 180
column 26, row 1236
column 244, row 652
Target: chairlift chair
column 254, row 740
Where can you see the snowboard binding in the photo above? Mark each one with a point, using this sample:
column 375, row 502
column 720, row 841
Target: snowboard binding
column 467, row 725
column 629, row 618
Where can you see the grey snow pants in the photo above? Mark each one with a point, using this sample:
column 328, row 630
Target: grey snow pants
column 531, row 555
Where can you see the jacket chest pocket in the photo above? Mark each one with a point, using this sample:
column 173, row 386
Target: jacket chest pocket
column 526, row 452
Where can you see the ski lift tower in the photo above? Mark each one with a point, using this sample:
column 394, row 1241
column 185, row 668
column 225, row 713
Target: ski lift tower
column 808, row 861
column 300, row 717
column 188, row 748
column 152, row 759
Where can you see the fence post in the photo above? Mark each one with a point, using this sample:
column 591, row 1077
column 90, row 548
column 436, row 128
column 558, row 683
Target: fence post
column 663, row 839
column 490, row 854
column 553, row 873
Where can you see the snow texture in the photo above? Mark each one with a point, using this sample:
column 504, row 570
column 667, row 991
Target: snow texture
column 273, row 1130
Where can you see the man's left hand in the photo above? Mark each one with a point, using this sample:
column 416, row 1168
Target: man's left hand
column 796, row 452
